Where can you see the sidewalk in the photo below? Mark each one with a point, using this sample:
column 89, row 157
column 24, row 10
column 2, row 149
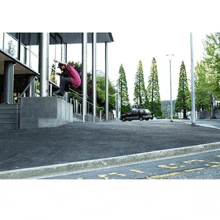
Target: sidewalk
column 47, row 149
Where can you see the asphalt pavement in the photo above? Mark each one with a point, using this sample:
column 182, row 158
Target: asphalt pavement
column 76, row 143
column 204, row 165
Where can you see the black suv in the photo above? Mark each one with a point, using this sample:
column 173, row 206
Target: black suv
column 137, row 114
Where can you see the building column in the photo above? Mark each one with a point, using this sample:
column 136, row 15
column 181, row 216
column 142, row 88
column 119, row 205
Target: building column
column 8, row 81
column 64, row 52
column 44, row 64
column 106, row 83
column 94, row 73
column 19, row 46
column 31, row 89
column 84, row 76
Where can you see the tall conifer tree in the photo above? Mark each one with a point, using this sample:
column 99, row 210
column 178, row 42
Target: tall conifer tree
column 183, row 101
column 140, row 92
column 123, row 90
column 153, row 91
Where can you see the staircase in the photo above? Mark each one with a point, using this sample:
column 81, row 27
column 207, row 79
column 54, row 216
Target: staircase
column 9, row 116
column 89, row 118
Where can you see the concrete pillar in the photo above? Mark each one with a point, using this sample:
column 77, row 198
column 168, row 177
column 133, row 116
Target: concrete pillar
column 84, row 77
column 19, row 46
column 106, row 83
column 94, row 74
column 44, row 64
column 25, row 56
column 31, row 89
column 8, row 81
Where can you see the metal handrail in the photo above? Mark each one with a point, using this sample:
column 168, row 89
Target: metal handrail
column 26, row 88
column 89, row 103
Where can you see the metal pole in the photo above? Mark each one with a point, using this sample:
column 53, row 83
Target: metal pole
column 106, row 83
column 51, row 90
column 44, row 64
column 84, row 63
column 19, row 47
column 171, row 101
column 94, row 73
column 192, row 85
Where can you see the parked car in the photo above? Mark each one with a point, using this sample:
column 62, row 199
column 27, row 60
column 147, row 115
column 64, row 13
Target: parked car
column 137, row 114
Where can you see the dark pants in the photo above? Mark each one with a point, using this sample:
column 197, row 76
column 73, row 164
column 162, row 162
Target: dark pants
column 64, row 81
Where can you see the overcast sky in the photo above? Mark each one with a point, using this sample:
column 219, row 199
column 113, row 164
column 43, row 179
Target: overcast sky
column 130, row 47
column 141, row 30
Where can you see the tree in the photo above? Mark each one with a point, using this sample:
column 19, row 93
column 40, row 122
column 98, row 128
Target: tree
column 140, row 92
column 123, row 90
column 183, row 101
column 100, row 87
column 153, row 91
column 208, row 74
column 212, row 63
column 202, row 91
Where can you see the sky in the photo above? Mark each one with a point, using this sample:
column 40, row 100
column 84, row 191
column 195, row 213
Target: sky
column 141, row 30
column 148, row 45
column 130, row 47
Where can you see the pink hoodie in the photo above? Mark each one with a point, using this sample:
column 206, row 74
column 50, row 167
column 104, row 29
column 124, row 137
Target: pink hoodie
column 74, row 76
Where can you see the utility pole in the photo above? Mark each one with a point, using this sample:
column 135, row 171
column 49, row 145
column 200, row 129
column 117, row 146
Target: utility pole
column 192, row 85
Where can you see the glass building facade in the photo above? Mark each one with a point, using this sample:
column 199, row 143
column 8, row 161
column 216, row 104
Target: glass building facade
column 30, row 58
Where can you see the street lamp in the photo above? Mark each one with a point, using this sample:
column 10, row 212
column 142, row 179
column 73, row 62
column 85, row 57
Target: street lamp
column 170, row 57
column 193, row 120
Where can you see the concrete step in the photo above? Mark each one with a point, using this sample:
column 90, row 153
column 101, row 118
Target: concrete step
column 9, row 106
column 4, row 126
column 77, row 117
column 89, row 118
column 9, row 116
column 8, row 120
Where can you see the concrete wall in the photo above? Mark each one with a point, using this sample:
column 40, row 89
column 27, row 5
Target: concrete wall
column 39, row 112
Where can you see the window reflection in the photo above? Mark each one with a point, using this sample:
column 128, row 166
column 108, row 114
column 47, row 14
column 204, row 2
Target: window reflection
column 10, row 45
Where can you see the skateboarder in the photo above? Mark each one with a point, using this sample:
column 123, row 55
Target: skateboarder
column 69, row 76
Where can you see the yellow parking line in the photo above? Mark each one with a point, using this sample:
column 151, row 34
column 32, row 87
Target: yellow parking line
column 215, row 166
column 192, row 170
column 120, row 174
column 163, row 176
column 137, row 171
column 214, row 162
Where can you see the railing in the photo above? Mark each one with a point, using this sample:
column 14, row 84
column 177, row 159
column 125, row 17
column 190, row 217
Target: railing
column 77, row 106
column 26, row 88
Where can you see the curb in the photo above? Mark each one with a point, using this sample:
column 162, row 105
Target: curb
column 68, row 168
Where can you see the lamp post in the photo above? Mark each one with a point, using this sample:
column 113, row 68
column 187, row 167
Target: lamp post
column 170, row 56
column 193, row 121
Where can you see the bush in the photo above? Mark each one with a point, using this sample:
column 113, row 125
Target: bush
column 174, row 116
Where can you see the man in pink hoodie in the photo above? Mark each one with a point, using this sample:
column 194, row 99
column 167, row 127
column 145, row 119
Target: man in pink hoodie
column 69, row 76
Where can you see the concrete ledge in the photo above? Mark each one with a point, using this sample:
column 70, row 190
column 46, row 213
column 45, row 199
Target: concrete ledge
column 53, row 170
column 37, row 112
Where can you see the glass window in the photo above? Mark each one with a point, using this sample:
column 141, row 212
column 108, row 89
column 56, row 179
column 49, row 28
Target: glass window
column 11, row 45
column 1, row 40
